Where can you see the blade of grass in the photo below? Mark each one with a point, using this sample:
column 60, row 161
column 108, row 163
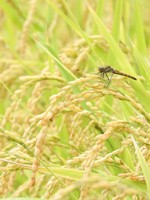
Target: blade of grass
column 117, row 53
column 70, row 21
column 75, row 26
column 144, row 166
column 116, row 27
column 141, row 44
column 117, row 20
column 67, row 74
column 100, row 8
column 143, row 64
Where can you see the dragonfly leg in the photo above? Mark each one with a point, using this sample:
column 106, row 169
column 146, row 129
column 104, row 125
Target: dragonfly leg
column 107, row 76
column 111, row 77
column 102, row 75
column 109, row 80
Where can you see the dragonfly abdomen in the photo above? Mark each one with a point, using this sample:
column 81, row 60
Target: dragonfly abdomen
column 123, row 74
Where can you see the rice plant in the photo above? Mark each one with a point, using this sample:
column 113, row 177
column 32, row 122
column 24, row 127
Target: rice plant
column 68, row 129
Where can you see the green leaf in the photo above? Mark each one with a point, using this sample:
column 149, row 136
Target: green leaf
column 144, row 166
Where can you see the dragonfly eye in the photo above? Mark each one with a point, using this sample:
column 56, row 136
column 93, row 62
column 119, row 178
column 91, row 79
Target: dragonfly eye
column 101, row 69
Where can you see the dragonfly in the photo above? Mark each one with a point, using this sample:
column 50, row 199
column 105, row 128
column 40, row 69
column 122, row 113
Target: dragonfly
column 108, row 69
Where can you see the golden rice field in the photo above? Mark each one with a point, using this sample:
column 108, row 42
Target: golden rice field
column 70, row 130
